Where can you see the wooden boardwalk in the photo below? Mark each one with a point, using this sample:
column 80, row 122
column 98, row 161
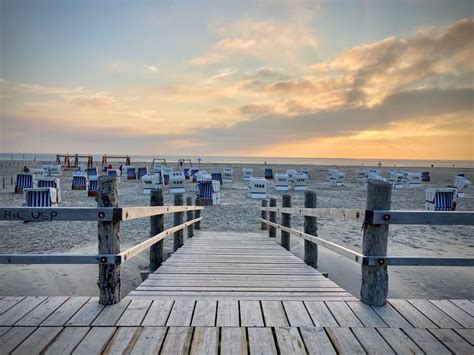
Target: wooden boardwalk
column 235, row 295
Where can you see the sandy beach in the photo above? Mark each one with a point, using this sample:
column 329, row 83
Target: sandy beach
column 238, row 213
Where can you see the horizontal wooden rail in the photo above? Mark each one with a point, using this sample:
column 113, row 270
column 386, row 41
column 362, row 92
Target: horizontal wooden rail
column 111, row 259
column 419, row 217
column 343, row 213
column 350, row 254
column 104, row 214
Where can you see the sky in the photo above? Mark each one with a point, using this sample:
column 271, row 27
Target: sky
column 336, row 79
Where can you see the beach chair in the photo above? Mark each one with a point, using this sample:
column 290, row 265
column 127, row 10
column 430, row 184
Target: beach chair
column 216, row 175
column 291, row 173
column 93, row 186
column 395, row 178
column 460, row 183
column 79, row 181
column 142, row 171
column 437, row 199
column 361, row 175
column 186, row 173
column 53, row 182
column 165, row 174
column 305, row 171
column 40, row 197
column 247, row 173
column 281, row 182
column 24, row 181
column 425, row 176
column 413, row 179
column 53, row 170
column 114, row 173
column 336, row 178
column 300, row 181
column 268, row 174
column 228, row 175
column 258, row 188
column 131, row 173
column 204, row 193
column 38, row 172
column 151, row 181
column 176, row 182
column 92, row 171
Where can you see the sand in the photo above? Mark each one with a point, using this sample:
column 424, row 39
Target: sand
column 238, row 213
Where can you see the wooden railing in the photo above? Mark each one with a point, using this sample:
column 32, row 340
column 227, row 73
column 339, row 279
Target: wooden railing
column 109, row 216
column 375, row 219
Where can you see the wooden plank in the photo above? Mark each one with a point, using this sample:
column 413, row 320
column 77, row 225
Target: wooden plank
column 181, row 314
column 233, row 341
column 250, row 314
column 181, row 283
column 41, row 312
column 19, row 310
column 205, row 314
column 67, row 340
column 111, row 314
column 317, row 341
column 261, row 341
column 455, row 312
column 297, row 314
column 218, row 277
column 343, row 314
column 123, row 340
column 8, row 302
column 244, row 297
column 11, row 339
column 149, row 341
column 87, row 314
column 366, row 315
column 467, row 334
column 466, row 305
column 391, row 317
column 426, row 341
column 228, row 313
column 438, row 317
column 320, row 314
column 135, row 313
column 344, row 341
column 37, row 341
column 274, row 314
column 95, row 341
column 371, row 341
column 399, row 341
column 289, row 341
column 453, row 341
column 411, row 314
column 205, row 341
column 65, row 312
column 158, row 313
column 177, row 341
column 205, row 288
column 3, row 330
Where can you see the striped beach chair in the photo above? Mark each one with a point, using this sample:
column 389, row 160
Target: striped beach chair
column 268, row 174
column 306, row 171
column 228, row 175
column 41, row 197
column 23, row 181
column 79, row 181
column 204, row 194
column 247, row 173
column 176, row 182
column 281, row 182
column 460, row 183
column 414, row 179
column 300, row 181
column 165, row 175
column 216, row 175
column 93, row 186
column 114, row 173
column 142, row 171
column 131, row 173
column 151, row 181
column 92, row 171
column 258, row 188
column 52, row 182
column 186, row 173
column 440, row 199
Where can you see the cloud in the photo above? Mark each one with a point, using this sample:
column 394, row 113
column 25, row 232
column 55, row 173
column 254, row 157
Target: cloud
column 153, row 69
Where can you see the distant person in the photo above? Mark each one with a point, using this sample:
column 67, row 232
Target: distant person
column 25, row 169
column 181, row 163
column 120, row 167
column 265, row 163
column 110, row 167
column 432, row 165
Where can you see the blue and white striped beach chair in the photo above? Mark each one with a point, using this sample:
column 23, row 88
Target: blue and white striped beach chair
column 142, row 171
column 79, row 182
column 41, row 197
column 93, row 186
column 204, row 195
column 52, row 182
column 23, row 181
column 440, row 199
column 216, row 175
column 131, row 173
column 92, row 171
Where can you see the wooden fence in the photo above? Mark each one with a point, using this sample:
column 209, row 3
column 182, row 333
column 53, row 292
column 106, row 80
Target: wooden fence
column 375, row 219
column 109, row 216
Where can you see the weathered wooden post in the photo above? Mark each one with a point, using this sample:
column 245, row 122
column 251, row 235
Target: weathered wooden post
column 178, row 219
column 374, row 286
column 286, row 222
column 109, row 242
column 11, row 180
column 197, row 214
column 310, row 227
column 190, row 216
column 156, row 227
column 4, row 182
column 272, row 218
column 264, row 215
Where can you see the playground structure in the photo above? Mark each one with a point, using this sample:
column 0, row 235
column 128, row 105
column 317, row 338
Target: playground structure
column 72, row 161
column 182, row 163
column 106, row 157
